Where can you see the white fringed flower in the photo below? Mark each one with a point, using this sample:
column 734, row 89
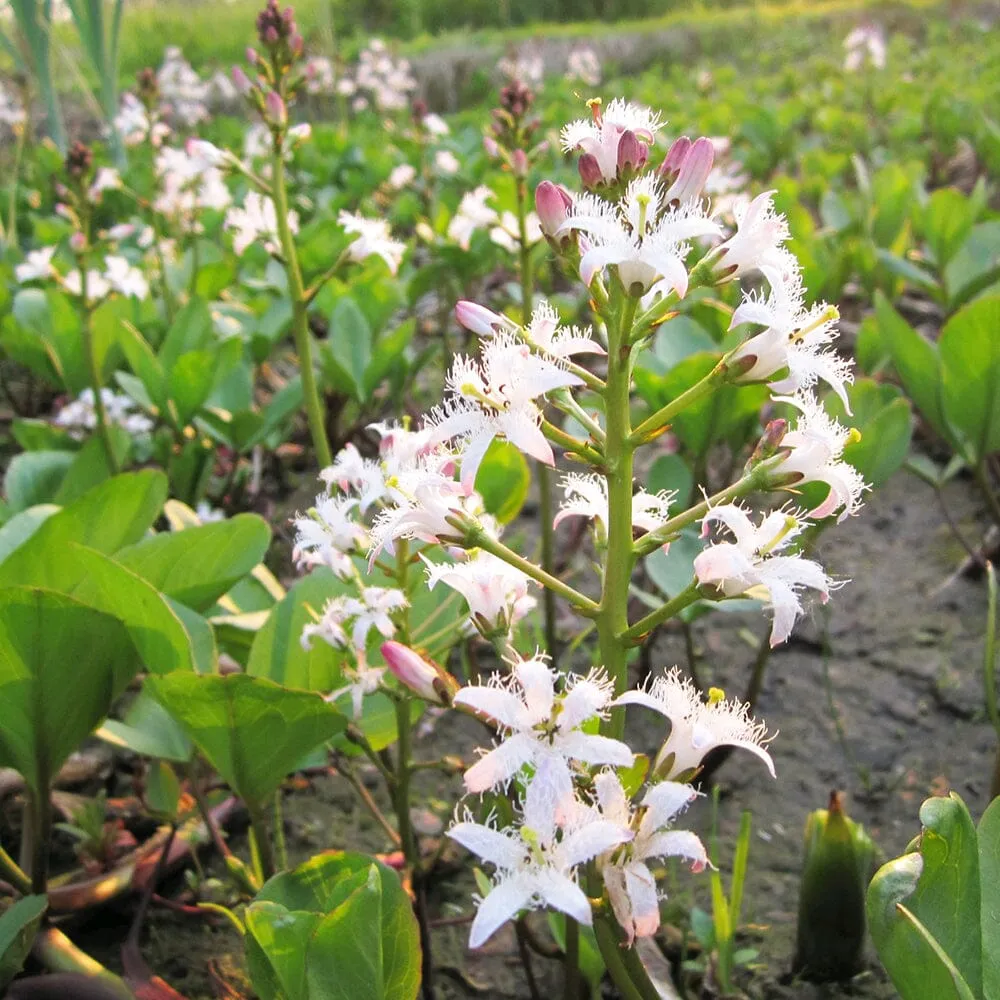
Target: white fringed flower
column 793, row 342
column 374, row 239
column 630, row 884
column 347, row 621
column 814, row 448
column 540, row 725
column 753, row 564
column 644, row 238
column 601, row 135
column 697, row 726
column 535, row 860
column 257, row 219
column 496, row 398
column 545, row 333
column 495, row 591
column 758, row 243
column 125, row 279
column 37, row 265
column 473, row 213
column 587, row 496
column 328, row 535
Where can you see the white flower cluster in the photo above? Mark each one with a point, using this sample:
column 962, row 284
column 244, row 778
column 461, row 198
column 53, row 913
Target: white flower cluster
column 184, row 94
column 526, row 66
column 379, row 79
column 575, row 807
column 865, row 45
column 584, row 65
column 119, row 275
column 474, row 213
column 189, row 182
column 81, row 416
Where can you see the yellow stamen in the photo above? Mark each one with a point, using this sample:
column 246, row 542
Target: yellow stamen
column 643, row 200
column 853, row 436
column 790, row 525
column 715, row 695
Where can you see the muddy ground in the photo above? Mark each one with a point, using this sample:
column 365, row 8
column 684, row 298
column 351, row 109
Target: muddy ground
column 894, row 714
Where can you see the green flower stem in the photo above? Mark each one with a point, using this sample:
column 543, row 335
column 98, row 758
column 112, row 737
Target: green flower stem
column 407, row 838
column 571, row 444
column 750, row 483
column 572, row 985
column 14, row 874
column 300, row 318
column 658, row 422
column 11, row 231
column 564, row 401
column 58, row 954
column 612, row 619
column 280, row 844
column 583, row 604
column 615, row 960
column 634, row 633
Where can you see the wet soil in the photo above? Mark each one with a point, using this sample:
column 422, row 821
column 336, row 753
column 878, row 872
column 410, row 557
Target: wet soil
column 878, row 694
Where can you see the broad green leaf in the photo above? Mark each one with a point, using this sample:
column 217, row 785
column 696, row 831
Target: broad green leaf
column 90, row 467
column 388, row 352
column 203, row 650
column 191, row 331
column 147, row 728
column 350, row 342
column 673, row 570
column 22, row 526
column 18, row 927
column 947, row 219
column 884, row 419
column 197, row 566
column 34, row 477
column 145, row 364
column 939, row 887
column 670, row 473
column 252, row 731
column 366, row 945
column 276, row 942
column 989, row 881
column 970, row 372
column 62, row 664
column 190, row 381
column 976, row 265
column 116, row 513
column 277, row 651
column 916, row 360
column 503, row 480
column 679, row 339
column 40, row 435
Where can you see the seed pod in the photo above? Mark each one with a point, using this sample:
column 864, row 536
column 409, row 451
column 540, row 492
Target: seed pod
column 838, row 862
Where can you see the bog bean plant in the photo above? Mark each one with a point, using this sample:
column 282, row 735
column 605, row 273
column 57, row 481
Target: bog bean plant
column 336, row 423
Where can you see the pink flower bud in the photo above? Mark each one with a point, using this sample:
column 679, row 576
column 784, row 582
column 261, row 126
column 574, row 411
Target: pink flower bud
column 276, row 109
column 423, row 677
column 478, row 319
column 490, row 145
column 241, row 81
column 552, row 204
column 271, row 35
column 252, row 56
column 520, row 163
column 78, row 242
column 590, row 171
column 671, row 166
column 693, row 174
column 297, row 44
column 632, row 154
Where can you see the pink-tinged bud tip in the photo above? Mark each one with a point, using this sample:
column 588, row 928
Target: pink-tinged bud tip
column 552, row 203
column 276, row 107
column 632, row 154
column 490, row 145
column 252, row 55
column 241, row 81
column 78, row 242
column 478, row 319
column 519, row 161
column 590, row 171
column 693, row 174
column 423, row 677
column 671, row 166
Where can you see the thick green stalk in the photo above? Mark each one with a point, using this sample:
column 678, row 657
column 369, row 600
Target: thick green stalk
column 10, row 233
column 671, row 609
column 612, row 619
column 261, row 848
column 300, row 319
column 39, row 818
column 58, row 954
column 620, row 964
column 14, row 874
column 572, row 988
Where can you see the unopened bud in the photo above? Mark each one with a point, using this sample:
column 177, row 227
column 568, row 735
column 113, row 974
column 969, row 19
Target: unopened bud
column 241, row 81
column 590, row 171
column 276, row 109
column 78, row 242
column 693, row 174
column 632, row 154
column 491, row 147
column 671, row 165
column 553, row 204
column 770, row 440
column 252, row 55
column 520, row 163
column 478, row 319
column 79, row 160
column 423, row 677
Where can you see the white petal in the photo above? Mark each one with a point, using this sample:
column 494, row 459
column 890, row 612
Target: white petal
column 592, row 839
column 491, row 845
column 563, row 894
column 664, row 801
column 593, row 749
column 501, row 764
column 501, row 706
column 641, row 888
column 504, row 902
column 680, row 844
